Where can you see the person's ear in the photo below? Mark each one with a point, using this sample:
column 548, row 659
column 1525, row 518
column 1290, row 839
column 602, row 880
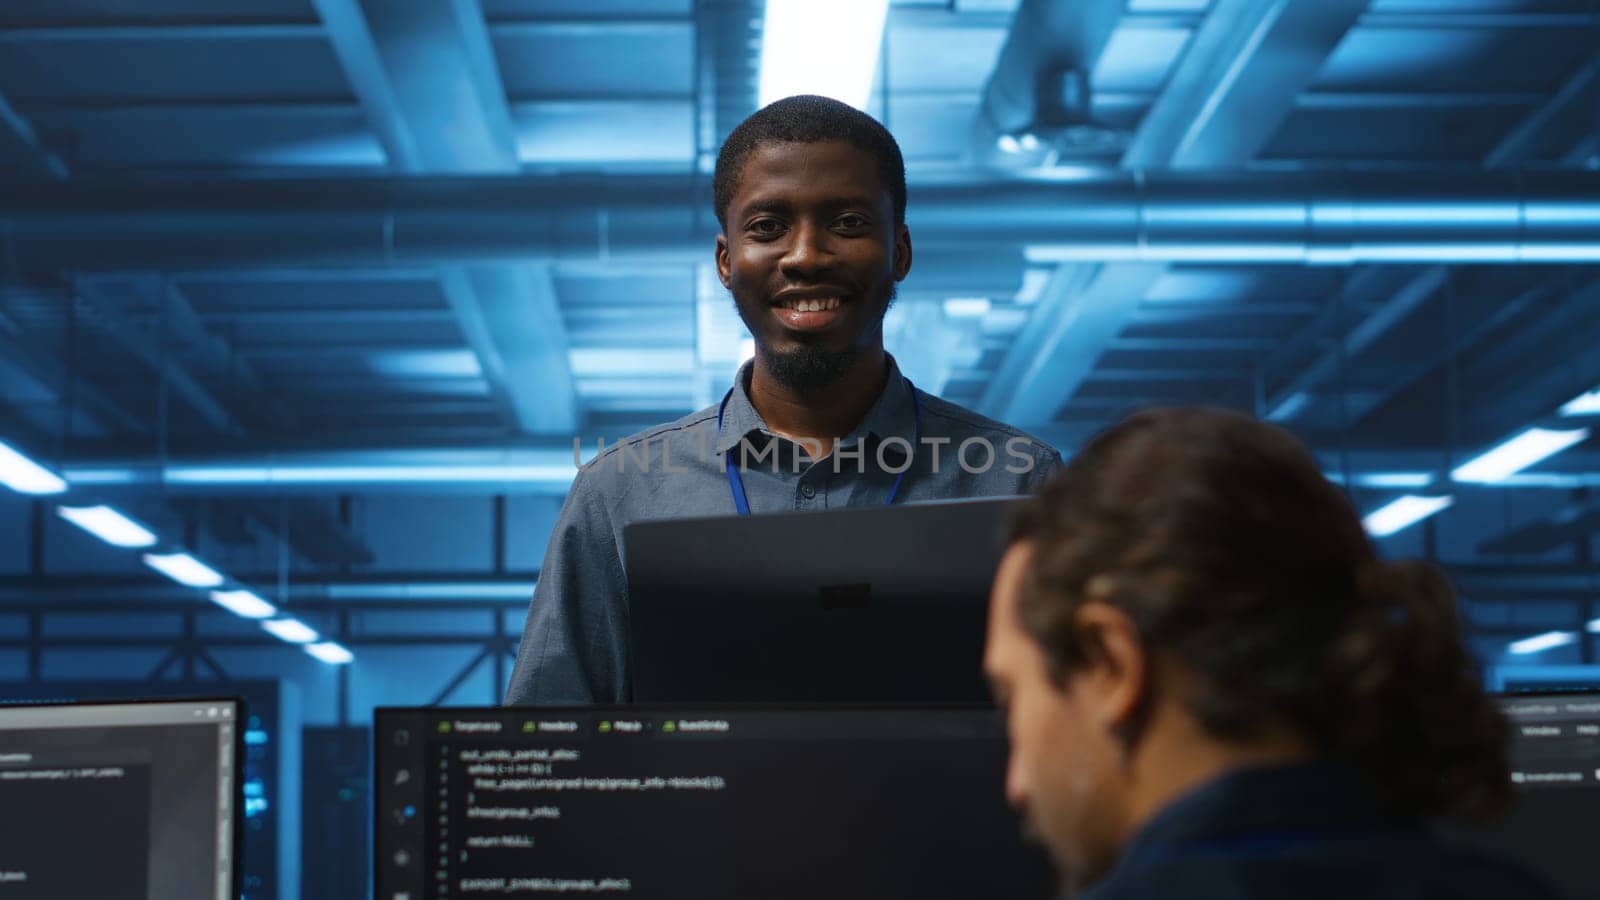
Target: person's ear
column 724, row 265
column 1118, row 670
column 902, row 252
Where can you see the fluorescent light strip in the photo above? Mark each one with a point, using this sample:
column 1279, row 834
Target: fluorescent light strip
column 967, row 307
column 292, row 630
column 108, row 525
column 1541, row 642
column 25, row 476
column 184, row 569
column 1290, row 407
column 827, row 47
column 1594, row 626
column 1583, row 404
column 1402, row 513
column 1526, row 449
column 245, row 604
column 1395, row 479
column 553, row 474
column 331, row 653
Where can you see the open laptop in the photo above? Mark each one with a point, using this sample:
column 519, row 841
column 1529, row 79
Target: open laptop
column 714, row 803
column 881, row 604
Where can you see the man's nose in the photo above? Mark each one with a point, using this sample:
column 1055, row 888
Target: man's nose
column 809, row 251
column 1016, row 784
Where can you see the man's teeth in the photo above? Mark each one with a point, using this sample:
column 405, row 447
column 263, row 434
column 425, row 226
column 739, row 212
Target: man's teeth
column 814, row 305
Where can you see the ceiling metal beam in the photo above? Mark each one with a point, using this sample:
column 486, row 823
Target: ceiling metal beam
column 221, row 356
column 1245, row 67
column 235, row 396
column 546, row 468
column 1397, row 378
column 1186, row 344
column 59, row 380
column 1077, row 317
column 1349, row 345
column 426, row 74
column 1322, row 218
column 123, row 32
column 1556, row 127
column 154, row 350
column 1212, row 112
column 1549, row 131
column 18, row 132
column 512, row 320
column 1493, row 21
column 1434, row 100
column 1515, row 379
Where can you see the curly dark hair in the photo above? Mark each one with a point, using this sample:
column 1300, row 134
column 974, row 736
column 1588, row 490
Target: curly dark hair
column 809, row 119
column 1227, row 547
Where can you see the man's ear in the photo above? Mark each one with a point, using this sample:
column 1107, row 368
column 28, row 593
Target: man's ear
column 902, row 253
column 1117, row 673
column 723, row 264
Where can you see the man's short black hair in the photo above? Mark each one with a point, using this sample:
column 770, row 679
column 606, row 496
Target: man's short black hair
column 809, row 119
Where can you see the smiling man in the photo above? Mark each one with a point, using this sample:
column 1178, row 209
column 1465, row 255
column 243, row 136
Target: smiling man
column 811, row 196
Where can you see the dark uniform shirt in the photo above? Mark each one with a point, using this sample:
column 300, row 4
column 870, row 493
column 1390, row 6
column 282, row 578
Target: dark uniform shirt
column 1305, row 832
column 574, row 645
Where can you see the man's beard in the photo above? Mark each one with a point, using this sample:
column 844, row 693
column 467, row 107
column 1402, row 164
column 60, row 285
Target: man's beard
column 811, row 367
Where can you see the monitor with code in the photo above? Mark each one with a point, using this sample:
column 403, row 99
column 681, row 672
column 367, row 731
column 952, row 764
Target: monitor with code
column 120, row 801
column 712, row 803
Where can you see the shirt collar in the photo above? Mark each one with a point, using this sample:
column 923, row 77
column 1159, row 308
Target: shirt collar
column 1313, row 798
column 891, row 415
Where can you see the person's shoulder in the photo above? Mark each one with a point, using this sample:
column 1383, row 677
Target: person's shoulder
column 1472, row 872
column 958, row 419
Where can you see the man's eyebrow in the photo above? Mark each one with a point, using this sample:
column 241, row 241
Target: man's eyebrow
column 767, row 205
column 780, row 205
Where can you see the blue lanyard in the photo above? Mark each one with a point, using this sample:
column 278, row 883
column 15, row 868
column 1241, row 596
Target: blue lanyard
column 736, row 482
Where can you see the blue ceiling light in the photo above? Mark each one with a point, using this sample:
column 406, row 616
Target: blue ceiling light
column 25, row 476
column 1587, row 404
column 967, row 307
column 245, row 604
column 108, row 525
column 562, row 473
column 1518, row 453
column 1542, row 642
column 1290, row 407
column 827, row 47
column 184, row 569
column 1403, row 512
column 292, row 631
column 1402, row 480
column 331, row 653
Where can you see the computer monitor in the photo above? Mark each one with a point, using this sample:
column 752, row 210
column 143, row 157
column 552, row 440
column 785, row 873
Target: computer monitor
column 711, row 803
column 1555, row 771
column 883, row 605
column 120, row 801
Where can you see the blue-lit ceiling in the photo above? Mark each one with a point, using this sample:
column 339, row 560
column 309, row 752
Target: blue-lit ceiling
column 340, row 358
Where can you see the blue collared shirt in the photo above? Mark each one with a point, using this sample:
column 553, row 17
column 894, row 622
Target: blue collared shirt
column 574, row 646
